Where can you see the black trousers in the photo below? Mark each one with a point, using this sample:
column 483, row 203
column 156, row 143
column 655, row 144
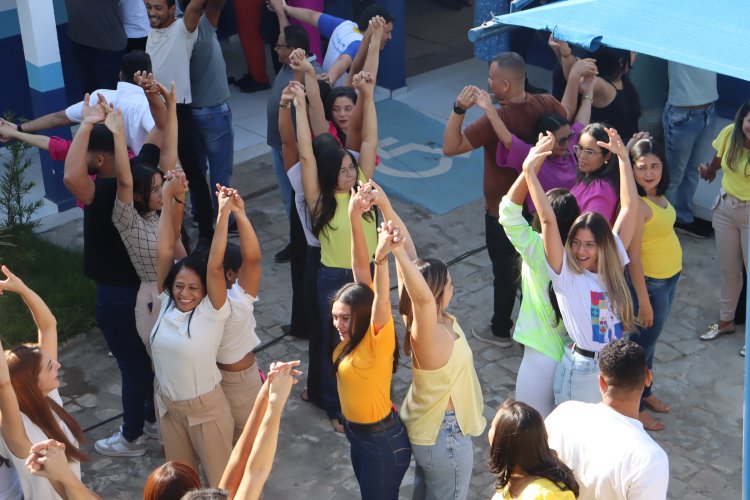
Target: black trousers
column 506, row 272
column 298, row 257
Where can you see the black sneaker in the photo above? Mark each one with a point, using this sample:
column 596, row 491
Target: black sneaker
column 694, row 229
column 285, row 255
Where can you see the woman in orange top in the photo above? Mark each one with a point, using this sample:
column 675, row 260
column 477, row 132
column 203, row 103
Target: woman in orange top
column 366, row 359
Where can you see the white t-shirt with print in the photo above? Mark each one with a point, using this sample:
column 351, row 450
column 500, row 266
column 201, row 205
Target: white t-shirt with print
column 35, row 486
column 344, row 34
column 589, row 315
column 610, row 454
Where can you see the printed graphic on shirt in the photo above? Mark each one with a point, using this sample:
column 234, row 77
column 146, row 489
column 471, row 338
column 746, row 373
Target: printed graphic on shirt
column 604, row 324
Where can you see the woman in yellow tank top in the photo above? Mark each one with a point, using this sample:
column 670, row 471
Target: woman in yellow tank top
column 443, row 407
column 655, row 260
column 524, row 466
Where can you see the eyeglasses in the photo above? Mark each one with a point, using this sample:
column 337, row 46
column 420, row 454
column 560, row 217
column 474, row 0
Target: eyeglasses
column 585, row 153
column 588, row 245
column 563, row 141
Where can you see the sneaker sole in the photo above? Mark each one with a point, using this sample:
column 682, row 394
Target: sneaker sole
column 129, row 453
column 496, row 343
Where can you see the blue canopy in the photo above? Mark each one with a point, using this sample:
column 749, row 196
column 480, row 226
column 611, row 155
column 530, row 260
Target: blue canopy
column 709, row 35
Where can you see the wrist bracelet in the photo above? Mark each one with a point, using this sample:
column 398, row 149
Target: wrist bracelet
column 458, row 109
column 178, row 200
column 18, row 127
column 589, row 97
column 381, row 261
column 285, row 106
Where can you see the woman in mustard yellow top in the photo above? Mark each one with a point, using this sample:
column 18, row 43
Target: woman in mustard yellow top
column 655, row 260
column 524, row 466
column 329, row 172
column 365, row 360
column 731, row 214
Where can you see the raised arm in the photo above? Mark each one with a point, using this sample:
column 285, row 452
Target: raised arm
column 389, row 237
column 338, row 68
column 277, row 7
column 454, row 141
column 309, row 167
column 563, row 53
column 299, row 63
column 586, row 87
column 627, row 219
column 192, row 14
column 484, row 101
column 122, row 164
column 380, row 199
column 305, row 15
column 215, row 278
column 289, row 151
column 249, row 274
column 175, row 185
column 424, row 308
column 553, row 244
column 156, row 104
column 360, row 203
column 582, row 70
column 368, row 53
column 635, row 268
column 213, row 11
column 168, row 153
column 76, row 175
column 365, row 83
column 519, row 189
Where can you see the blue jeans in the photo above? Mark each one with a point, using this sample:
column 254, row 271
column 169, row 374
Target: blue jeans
column 115, row 317
column 661, row 295
column 380, row 460
column 576, row 379
column 443, row 470
column 214, row 144
column 330, row 280
column 687, row 142
column 285, row 187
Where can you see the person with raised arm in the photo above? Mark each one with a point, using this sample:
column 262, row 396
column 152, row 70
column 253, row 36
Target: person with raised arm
column 587, row 274
column 328, row 174
column 195, row 416
column 31, row 409
column 539, row 326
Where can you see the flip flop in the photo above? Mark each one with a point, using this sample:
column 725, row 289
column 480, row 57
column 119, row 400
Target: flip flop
column 653, row 404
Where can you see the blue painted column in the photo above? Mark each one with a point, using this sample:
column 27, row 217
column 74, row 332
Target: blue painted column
column 392, row 69
column 46, row 85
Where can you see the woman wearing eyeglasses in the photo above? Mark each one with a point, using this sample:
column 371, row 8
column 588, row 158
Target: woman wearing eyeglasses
column 329, row 172
column 587, row 274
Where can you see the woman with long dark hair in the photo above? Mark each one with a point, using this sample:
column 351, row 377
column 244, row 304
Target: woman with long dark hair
column 30, row 404
column 524, row 466
column 329, row 172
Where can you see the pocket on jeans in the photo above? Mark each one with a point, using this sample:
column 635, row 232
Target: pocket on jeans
column 678, row 116
column 400, row 448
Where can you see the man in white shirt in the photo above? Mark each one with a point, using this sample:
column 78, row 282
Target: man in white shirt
column 128, row 97
column 170, row 45
column 604, row 444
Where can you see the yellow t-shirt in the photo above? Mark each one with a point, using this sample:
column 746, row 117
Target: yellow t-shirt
column 364, row 376
column 661, row 252
column 540, row 489
column 735, row 182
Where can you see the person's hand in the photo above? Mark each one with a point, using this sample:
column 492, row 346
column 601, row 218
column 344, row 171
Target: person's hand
column 645, row 317
column 11, row 283
column 237, row 204
column 7, row 130
column 300, row 98
column 47, row 459
column 114, row 122
column 169, row 96
column 706, row 172
column 379, row 197
column 541, row 150
column 277, row 366
column 324, row 76
column 483, row 99
column 175, row 182
column 558, row 45
column 281, row 377
column 298, row 61
column 376, row 28
column 364, row 81
column 467, row 97
column 91, row 114
column 615, row 144
column 145, row 80
column 583, row 67
column 637, row 137
column 360, row 201
column 276, row 6
column 586, row 87
column 224, row 195
column 390, row 238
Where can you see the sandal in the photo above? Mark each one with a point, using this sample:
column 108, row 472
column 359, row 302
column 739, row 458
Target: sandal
column 649, row 422
column 714, row 331
column 653, row 404
column 337, row 425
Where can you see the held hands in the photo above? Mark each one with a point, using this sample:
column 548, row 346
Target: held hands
column 226, row 196
column 379, row 197
column 47, row 459
column 483, row 100
column 281, row 377
column 277, row 6
column 360, row 202
column 583, row 67
column 11, row 283
column 389, row 239
column 300, row 98
column 298, row 61
column 175, row 183
column 376, row 27
column 287, row 95
column 539, row 152
column 706, row 172
column 7, row 130
column 615, row 144
column 586, row 87
column 92, row 114
column 558, row 45
column 467, row 97
column 364, row 81
column 113, row 121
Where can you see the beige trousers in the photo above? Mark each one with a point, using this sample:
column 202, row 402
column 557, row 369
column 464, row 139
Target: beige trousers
column 730, row 222
column 198, row 430
column 241, row 389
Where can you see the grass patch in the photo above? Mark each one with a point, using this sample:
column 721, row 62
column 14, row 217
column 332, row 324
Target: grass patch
column 56, row 274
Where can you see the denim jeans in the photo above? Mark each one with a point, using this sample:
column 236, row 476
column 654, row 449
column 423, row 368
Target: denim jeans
column 505, row 269
column 687, row 142
column 661, row 295
column 380, row 460
column 115, row 317
column 285, row 187
column 330, row 280
column 214, row 144
column 576, row 379
column 443, row 470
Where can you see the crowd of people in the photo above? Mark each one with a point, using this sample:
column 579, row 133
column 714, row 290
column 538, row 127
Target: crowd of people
column 582, row 210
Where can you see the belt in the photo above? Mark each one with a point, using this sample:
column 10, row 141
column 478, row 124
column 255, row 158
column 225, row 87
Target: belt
column 391, row 420
column 584, row 352
column 219, row 107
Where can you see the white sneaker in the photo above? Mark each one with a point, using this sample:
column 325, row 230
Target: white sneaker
column 491, row 339
column 151, row 429
column 117, row 446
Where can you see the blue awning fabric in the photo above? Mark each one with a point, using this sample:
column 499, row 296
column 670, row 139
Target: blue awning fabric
column 709, row 35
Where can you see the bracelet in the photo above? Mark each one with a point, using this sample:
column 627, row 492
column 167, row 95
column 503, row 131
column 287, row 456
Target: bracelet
column 178, row 200
column 458, row 109
column 286, row 106
column 589, row 97
column 18, row 127
column 381, row 261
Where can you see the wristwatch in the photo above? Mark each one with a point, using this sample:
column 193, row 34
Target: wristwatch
column 18, row 127
column 458, row 109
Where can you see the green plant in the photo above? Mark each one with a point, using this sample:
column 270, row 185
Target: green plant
column 14, row 189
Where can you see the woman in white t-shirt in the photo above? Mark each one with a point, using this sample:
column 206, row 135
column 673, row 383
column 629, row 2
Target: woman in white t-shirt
column 588, row 278
column 30, row 405
column 196, row 419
